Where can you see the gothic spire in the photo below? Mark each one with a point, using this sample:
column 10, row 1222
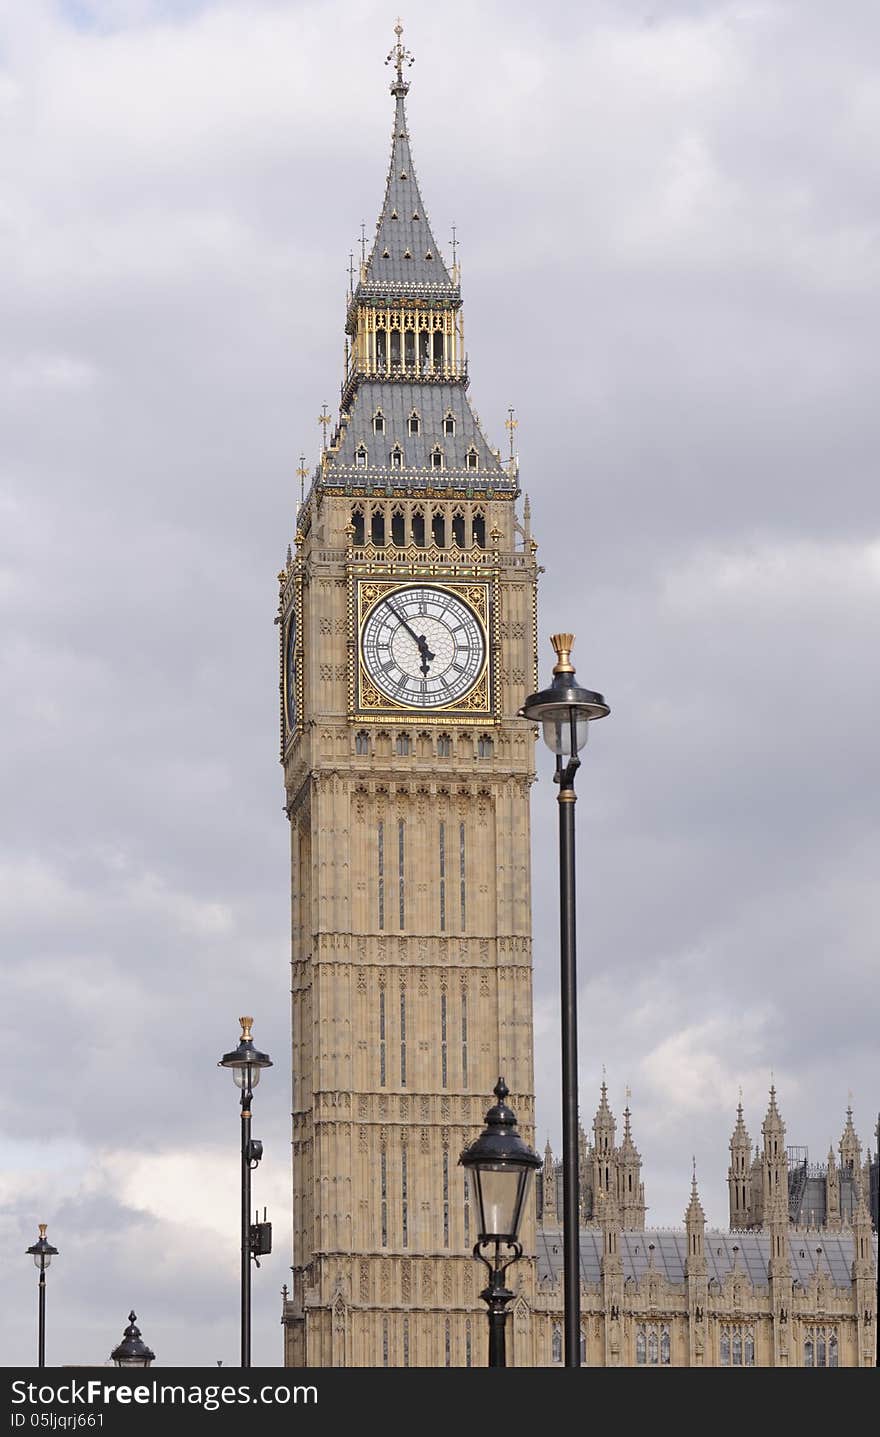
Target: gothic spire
column 405, row 255
column 849, row 1147
column 695, row 1216
column 773, row 1122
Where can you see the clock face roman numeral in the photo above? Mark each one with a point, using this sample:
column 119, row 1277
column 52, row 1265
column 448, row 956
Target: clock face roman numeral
column 423, row 647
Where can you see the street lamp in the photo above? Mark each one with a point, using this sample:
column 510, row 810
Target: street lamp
column 132, row 1351
column 42, row 1253
column 246, row 1063
column 565, row 712
column 501, row 1164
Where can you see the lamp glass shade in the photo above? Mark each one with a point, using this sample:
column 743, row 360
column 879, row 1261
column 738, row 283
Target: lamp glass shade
column 557, row 732
column 133, row 1361
column 501, row 1190
column 42, row 1260
column 247, row 1076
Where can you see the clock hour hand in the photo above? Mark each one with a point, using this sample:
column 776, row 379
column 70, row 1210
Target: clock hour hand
column 419, row 639
column 426, row 654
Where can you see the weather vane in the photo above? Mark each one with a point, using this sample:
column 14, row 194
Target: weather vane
column 399, row 54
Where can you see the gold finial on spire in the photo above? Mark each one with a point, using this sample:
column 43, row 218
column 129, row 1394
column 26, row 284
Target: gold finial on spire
column 563, row 645
column 324, row 420
column 246, row 1025
column 303, row 474
column 399, row 56
column 510, row 424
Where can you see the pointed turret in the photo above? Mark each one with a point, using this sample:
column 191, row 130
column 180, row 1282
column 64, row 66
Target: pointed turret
column 863, row 1262
column 548, row 1178
column 695, row 1227
column 774, row 1161
column 738, row 1184
column 756, row 1189
column 832, row 1191
column 630, row 1189
column 585, row 1176
column 850, row 1148
column 604, row 1167
column 604, row 1126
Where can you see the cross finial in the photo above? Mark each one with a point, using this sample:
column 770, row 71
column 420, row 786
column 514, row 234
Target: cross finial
column 303, row 473
column 510, row 424
column 350, row 271
column 324, row 420
column 363, row 242
column 454, row 246
column 399, row 56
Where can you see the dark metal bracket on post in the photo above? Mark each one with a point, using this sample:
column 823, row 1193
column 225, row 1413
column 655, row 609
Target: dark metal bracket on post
column 496, row 1296
column 261, row 1238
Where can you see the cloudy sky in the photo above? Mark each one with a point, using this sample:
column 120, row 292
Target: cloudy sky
column 669, row 228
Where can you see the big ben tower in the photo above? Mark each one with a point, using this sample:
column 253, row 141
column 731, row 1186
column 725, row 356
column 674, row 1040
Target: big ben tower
column 408, row 632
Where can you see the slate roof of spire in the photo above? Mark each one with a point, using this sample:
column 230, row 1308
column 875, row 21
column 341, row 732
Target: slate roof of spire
column 397, row 401
column 405, row 263
column 405, row 254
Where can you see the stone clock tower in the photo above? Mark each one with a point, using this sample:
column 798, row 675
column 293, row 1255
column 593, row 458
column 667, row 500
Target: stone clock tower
column 408, row 642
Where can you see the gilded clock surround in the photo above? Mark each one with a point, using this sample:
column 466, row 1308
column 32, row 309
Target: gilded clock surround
column 370, row 704
column 290, row 611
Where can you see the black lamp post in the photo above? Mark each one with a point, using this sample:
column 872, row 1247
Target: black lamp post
column 565, row 711
column 246, row 1063
column 501, row 1164
column 42, row 1253
column 132, row 1351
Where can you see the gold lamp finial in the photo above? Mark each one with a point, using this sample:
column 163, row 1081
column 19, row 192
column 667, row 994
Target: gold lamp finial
column 562, row 646
column 246, row 1025
column 42, row 1226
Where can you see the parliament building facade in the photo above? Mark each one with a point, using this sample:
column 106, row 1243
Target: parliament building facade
column 408, row 637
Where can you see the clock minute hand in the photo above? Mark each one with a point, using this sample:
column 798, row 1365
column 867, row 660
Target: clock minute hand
column 401, row 620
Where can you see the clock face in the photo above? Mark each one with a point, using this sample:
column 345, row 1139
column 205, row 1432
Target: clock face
column 290, row 673
column 423, row 647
